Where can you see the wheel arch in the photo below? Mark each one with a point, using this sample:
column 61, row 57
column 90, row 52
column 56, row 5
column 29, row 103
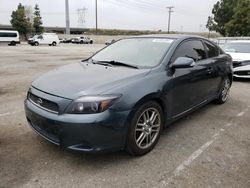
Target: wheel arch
column 152, row 97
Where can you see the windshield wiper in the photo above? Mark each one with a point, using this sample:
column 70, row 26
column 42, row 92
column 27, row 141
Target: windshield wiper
column 119, row 64
column 101, row 63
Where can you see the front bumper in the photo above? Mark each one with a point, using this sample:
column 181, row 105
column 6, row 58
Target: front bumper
column 87, row 132
column 242, row 76
column 31, row 42
column 241, row 73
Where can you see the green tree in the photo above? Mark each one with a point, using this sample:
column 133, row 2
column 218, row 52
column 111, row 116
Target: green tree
column 239, row 25
column 20, row 22
column 210, row 25
column 37, row 21
column 230, row 17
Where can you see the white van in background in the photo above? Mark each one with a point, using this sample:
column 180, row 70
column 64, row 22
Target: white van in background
column 44, row 38
column 9, row 37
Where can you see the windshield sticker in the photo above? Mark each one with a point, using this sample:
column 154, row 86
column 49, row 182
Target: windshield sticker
column 163, row 40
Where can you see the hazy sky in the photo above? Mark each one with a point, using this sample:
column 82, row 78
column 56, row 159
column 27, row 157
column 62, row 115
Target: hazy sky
column 188, row 15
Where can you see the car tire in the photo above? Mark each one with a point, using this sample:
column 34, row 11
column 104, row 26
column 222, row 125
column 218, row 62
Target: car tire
column 81, row 42
column 36, row 44
column 12, row 43
column 53, row 43
column 91, row 42
column 224, row 91
column 145, row 128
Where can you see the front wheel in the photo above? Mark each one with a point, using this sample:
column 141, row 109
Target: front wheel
column 53, row 43
column 224, row 92
column 36, row 43
column 145, row 128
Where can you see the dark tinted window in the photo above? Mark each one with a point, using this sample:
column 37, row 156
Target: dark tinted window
column 2, row 34
column 212, row 50
column 193, row 49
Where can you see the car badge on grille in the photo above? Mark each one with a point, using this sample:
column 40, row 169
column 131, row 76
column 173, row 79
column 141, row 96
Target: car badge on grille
column 39, row 101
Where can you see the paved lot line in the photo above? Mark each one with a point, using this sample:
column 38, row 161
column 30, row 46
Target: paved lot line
column 198, row 152
column 193, row 156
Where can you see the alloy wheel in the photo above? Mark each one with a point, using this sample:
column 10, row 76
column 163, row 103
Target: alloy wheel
column 225, row 90
column 147, row 128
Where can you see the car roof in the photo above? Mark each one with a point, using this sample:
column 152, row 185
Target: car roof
column 172, row 36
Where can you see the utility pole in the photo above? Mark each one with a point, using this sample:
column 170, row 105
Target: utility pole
column 169, row 16
column 67, row 17
column 96, row 17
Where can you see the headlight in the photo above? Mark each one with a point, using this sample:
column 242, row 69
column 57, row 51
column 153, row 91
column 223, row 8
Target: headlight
column 91, row 104
column 245, row 63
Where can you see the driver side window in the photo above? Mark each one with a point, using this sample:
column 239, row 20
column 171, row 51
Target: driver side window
column 192, row 49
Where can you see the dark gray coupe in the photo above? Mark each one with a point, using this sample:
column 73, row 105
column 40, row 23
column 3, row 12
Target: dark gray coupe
column 126, row 94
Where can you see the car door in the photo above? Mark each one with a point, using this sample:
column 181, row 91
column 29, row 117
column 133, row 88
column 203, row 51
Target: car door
column 189, row 86
column 214, row 64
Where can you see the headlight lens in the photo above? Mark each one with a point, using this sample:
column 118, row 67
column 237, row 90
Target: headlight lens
column 245, row 63
column 91, row 104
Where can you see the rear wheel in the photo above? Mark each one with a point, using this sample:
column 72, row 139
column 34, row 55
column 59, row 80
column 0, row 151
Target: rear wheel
column 53, row 43
column 36, row 43
column 224, row 93
column 145, row 128
column 13, row 43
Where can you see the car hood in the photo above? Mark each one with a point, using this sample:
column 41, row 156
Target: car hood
column 243, row 68
column 75, row 80
column 239, row 56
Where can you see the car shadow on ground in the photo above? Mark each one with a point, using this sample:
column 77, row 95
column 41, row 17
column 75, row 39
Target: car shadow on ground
column 245, row 80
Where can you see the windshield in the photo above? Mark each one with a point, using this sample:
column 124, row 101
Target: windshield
column 139, row 52
column 237, row 47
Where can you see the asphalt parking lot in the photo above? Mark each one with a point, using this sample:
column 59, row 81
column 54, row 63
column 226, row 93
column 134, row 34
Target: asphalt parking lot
column 209, row 148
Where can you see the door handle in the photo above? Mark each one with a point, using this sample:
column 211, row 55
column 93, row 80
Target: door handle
column 210, row 70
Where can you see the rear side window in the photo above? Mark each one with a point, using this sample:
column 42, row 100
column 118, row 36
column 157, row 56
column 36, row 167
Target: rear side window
column 3, row 34
column 212, row 50
column 192, row 49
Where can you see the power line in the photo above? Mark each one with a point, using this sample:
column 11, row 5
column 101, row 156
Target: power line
column 135, row 5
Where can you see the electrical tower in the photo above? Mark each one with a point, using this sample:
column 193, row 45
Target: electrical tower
column 170, row 11
column 81, row 13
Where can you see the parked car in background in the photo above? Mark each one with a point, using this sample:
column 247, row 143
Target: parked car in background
column 126, row 94
column 240, row 52
column 65, row 40
column 82, row 40
column 242, row 71
column 108, row 42
column 44, row 39
column 9, row 37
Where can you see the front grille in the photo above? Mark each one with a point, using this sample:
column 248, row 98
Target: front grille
column 43, row 103
column 50, row 131
column 242, row 73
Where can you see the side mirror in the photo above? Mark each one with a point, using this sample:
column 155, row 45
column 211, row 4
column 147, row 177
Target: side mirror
column 183, row 62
